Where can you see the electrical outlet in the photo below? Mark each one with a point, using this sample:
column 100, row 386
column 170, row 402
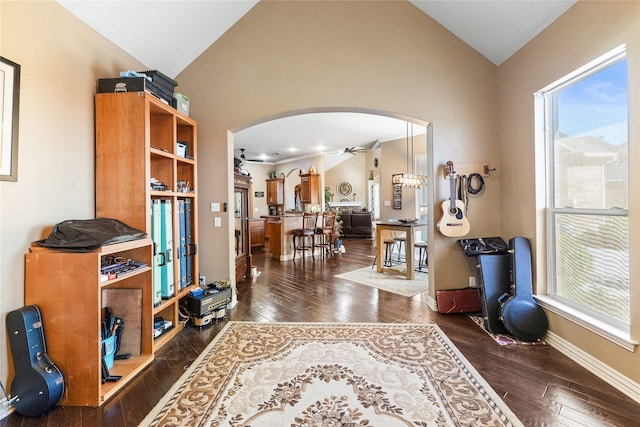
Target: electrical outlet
column 472, row 281
column 203, row 279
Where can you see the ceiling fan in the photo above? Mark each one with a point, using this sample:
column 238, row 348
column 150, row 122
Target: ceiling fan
column 353, row 150
column 244, row 158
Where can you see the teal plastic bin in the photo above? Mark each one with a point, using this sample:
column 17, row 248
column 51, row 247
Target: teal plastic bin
column 109, row 350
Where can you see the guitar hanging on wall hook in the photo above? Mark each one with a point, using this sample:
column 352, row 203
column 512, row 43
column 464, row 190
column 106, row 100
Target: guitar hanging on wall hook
column 453, row 222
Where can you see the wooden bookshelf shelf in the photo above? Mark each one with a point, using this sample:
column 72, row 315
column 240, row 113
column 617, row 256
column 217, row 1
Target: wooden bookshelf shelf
column 136, row 141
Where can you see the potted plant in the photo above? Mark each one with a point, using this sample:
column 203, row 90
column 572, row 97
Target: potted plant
column 327, row 195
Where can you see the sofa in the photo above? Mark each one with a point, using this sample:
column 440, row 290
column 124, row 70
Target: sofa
column 356, row 224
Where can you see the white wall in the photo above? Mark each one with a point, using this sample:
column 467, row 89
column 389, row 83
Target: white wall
column 353, row 171
column 259, row 174
column 386, row 57
column 60, row 59
column 586, row 31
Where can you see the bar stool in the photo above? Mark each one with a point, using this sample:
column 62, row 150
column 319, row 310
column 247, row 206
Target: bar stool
column 326, row 231
column 423, row 257
column 309, row 220
column 401, row 239
column 389, row 245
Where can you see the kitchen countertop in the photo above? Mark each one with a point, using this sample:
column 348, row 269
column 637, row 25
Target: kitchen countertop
column 279, row 228
column 284, row 215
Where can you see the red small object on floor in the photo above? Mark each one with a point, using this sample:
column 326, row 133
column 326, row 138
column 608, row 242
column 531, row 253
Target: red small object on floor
column 465, row 300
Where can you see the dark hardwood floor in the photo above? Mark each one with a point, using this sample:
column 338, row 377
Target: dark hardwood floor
column 541, row 386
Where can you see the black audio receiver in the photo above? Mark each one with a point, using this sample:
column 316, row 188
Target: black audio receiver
column 208, row 301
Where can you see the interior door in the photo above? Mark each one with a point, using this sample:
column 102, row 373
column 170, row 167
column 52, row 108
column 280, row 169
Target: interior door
column 240, row 217
column 241, row 209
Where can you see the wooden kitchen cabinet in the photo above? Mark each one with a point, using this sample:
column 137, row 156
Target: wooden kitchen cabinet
column 256, row 232
column 310, row 188
column 275, row 191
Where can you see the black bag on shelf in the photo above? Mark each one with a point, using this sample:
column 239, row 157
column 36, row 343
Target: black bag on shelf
column 89, row 234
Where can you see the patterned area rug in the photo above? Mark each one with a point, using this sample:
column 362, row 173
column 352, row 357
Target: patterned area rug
column 503, row 339
column 388, row 281
column 331, row 374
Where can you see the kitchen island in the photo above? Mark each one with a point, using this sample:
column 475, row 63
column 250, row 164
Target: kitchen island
column 278, row 230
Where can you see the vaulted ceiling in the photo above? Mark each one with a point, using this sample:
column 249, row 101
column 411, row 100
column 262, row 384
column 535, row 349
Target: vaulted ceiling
column 496, row 29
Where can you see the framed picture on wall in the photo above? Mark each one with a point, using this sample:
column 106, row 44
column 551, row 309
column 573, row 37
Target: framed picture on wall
column 396, row 181
column 9, row 103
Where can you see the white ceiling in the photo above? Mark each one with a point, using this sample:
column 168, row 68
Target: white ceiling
column 165, row 35
column 314, row 133
column 496, row 29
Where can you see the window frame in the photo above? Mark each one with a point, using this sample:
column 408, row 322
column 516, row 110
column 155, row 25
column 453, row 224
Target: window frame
column 615, row 331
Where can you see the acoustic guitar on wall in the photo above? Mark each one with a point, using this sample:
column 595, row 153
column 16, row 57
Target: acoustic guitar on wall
column 453, row 222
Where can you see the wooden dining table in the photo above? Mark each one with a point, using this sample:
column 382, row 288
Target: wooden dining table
column 409, row 229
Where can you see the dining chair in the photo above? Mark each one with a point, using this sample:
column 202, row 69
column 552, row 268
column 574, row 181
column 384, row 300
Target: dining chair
column 326, row 232
column 401, row 239
column 389, row 243
column 423, row 257
column 301, row 235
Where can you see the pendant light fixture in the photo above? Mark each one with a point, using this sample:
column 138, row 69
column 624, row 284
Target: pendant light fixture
column 410, row 178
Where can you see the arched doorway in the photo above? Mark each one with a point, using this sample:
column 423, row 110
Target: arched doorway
column 426, row 162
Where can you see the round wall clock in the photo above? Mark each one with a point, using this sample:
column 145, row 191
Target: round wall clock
column 344, row 188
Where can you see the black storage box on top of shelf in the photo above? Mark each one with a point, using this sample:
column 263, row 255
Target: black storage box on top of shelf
column 136, row 84
column 161, row 80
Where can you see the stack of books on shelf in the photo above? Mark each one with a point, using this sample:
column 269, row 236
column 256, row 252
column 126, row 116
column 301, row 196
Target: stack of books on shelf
column 118, row 267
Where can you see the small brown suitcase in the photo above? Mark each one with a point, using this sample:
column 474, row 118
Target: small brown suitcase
column 465, row 300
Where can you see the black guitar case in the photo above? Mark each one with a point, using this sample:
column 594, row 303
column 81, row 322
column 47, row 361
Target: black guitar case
column 38, row 384
column 519, row 312
column 493, row 281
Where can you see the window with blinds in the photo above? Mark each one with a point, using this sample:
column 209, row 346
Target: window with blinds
column 586, row 136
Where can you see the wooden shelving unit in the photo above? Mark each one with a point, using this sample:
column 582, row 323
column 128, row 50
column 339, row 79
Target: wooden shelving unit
column 136, row 140
column 67, row 287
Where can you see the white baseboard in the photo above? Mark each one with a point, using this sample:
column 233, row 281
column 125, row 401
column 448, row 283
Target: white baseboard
column 433, row 305
column 595, row 366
